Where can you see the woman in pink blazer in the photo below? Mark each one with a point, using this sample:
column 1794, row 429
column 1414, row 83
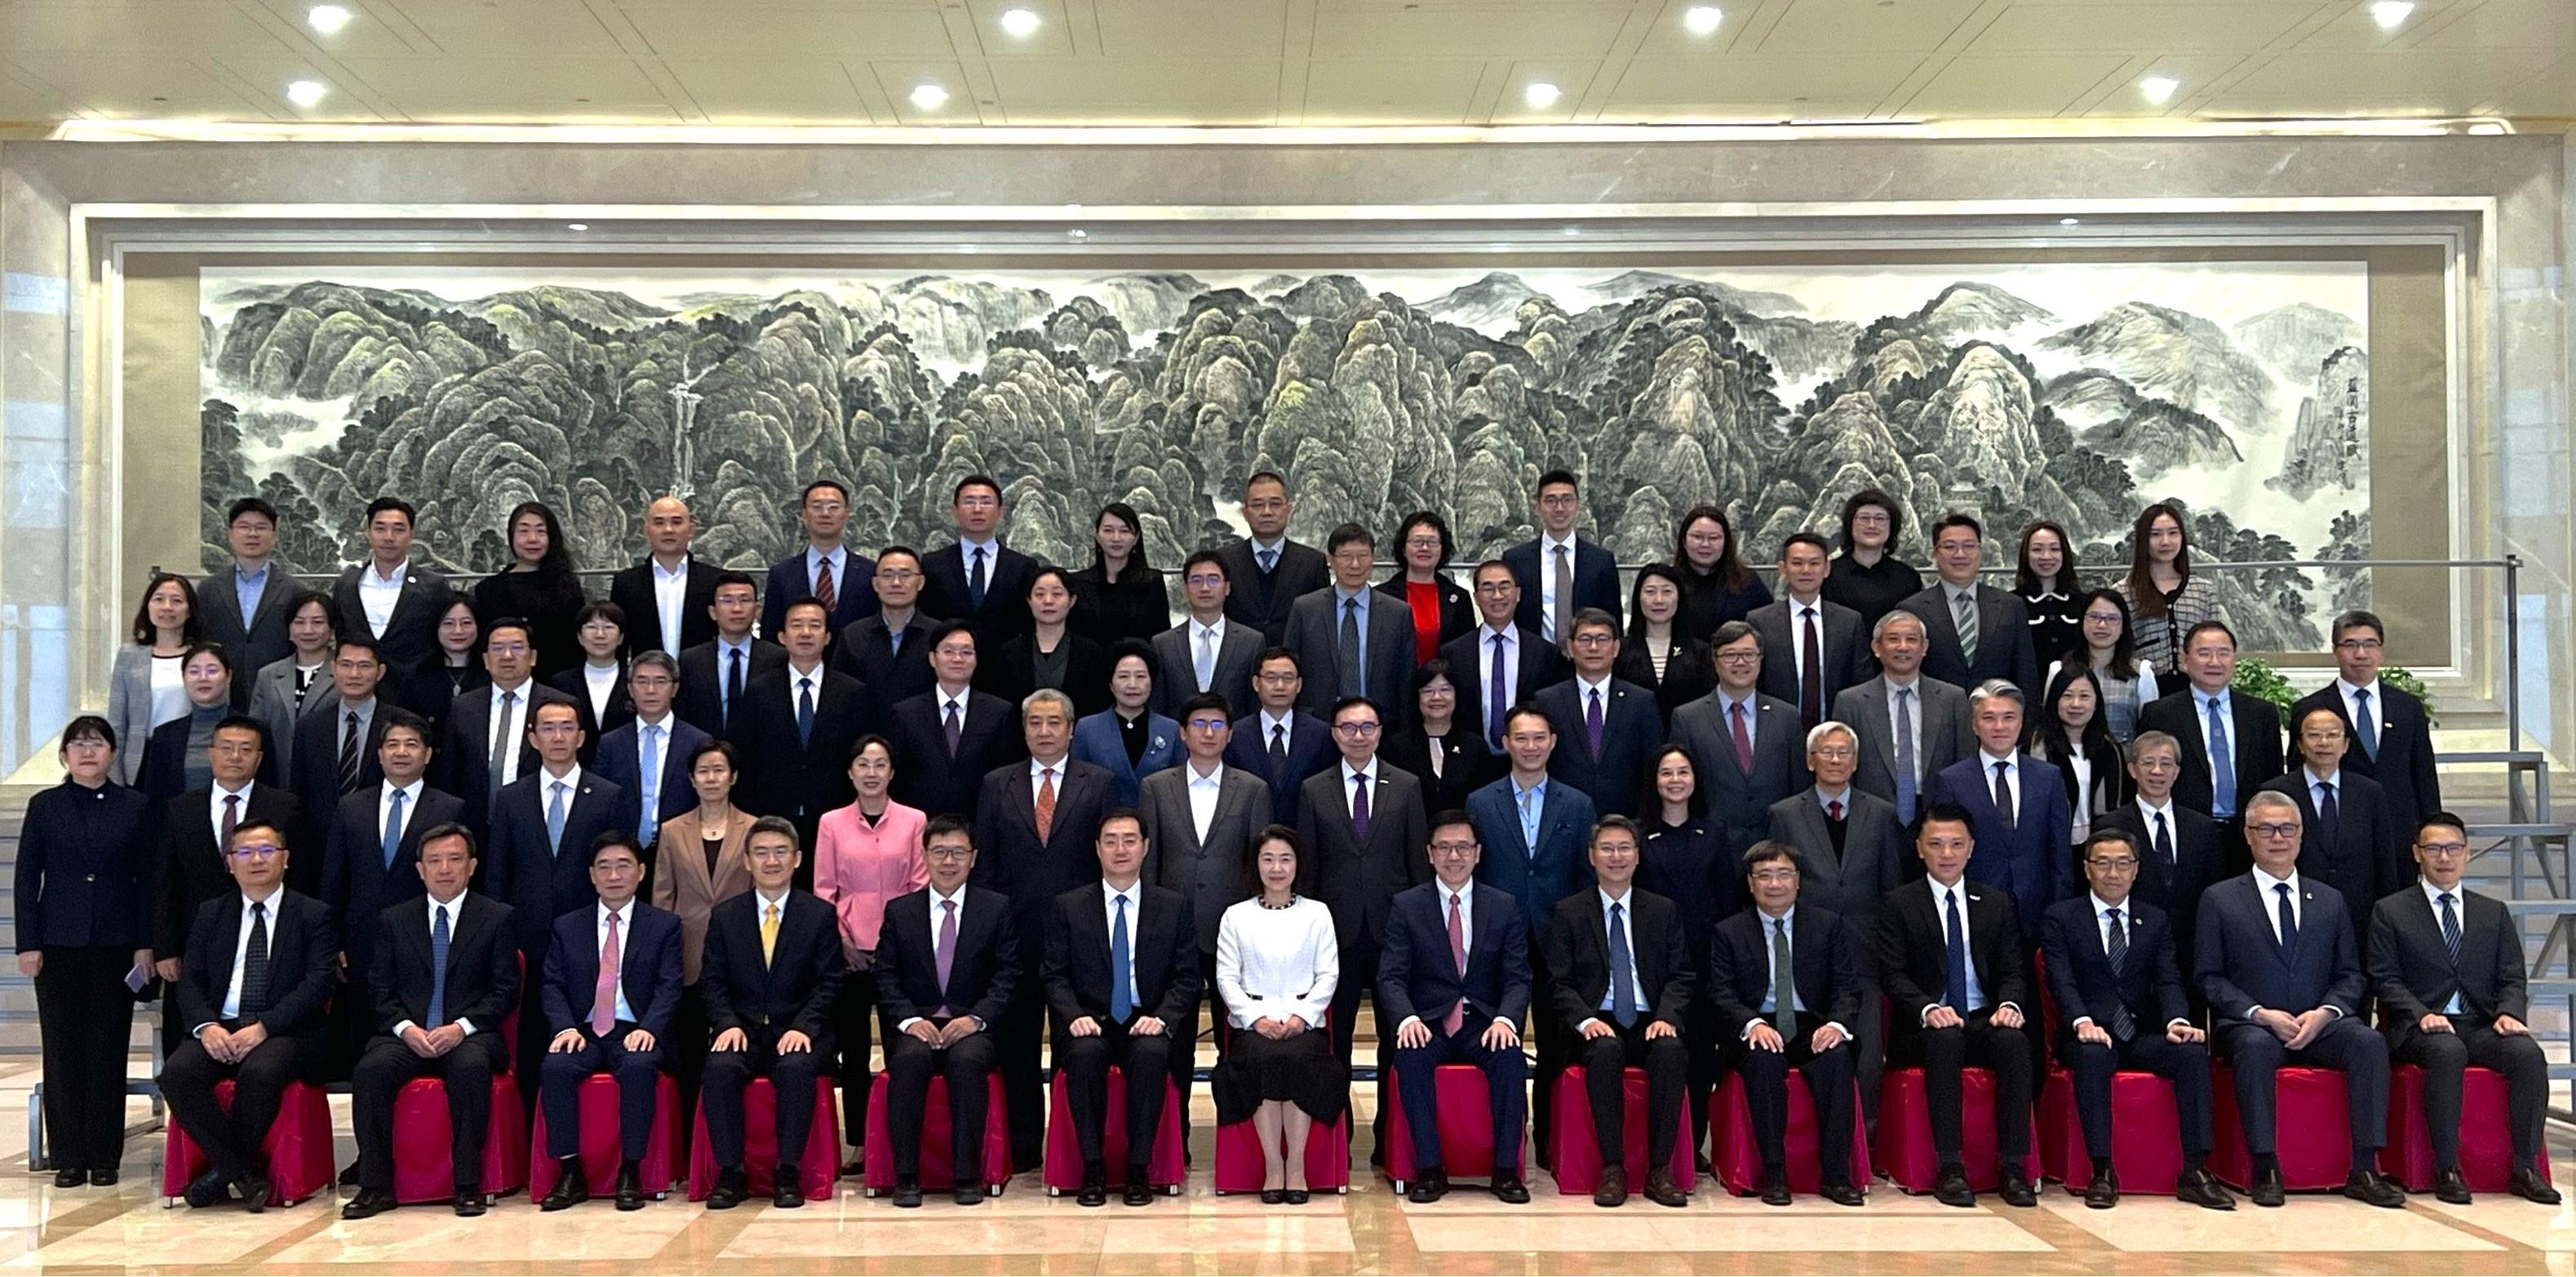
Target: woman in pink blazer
column 865, row 854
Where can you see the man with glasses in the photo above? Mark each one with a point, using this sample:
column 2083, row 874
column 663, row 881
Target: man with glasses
column 770, row 976
column 1560, row 572
column 649, row 757
column 1455, row 979
column 1280, row 743
column 1607, row 728
column 889, row 649
column 825, row 569
column 1746, row 747
column 2447, row 965
column 977, row 579
column 1910, row 727
column 1621, row 978
column 2179, row 852
column 541, row 833
column 2392, row 737
column 715, row 675
column 610, row 992
column 333, row 751
column 1200, row 819
column 1270, row 572
column 198, row 826
column 948, row 739
column 948, row 963
column 1206, row 654
column 248, row 608
column 1354, row 640
column 1975, row 631
column 2349, row 842
column 2109, row 959
column 1500, row 663
column 1787, row 984
column 372, row 853
column 489, row 742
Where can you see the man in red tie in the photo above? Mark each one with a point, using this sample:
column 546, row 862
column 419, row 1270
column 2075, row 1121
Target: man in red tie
column 612, row 987
column 824, row 569
column 1454, row 978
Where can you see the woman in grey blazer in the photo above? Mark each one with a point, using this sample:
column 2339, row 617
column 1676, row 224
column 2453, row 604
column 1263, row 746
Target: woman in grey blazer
column 143, row 687
column 298, row 683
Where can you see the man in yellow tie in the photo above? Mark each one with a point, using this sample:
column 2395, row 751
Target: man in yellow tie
column 771, row 973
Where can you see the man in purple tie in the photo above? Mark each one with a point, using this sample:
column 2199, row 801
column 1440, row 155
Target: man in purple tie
column 948, row 962
column 1606, row 727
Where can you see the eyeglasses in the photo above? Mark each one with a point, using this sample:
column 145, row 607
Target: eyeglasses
column 1207, row 724
column 1276, row 679
column 1595, row 639
column 1452, row 848
column 256, row 850
column 1496, row 589
column 2273, row 831
column 1557, row 500
column 897, row 574
column 2359, row 645
column 948, row 852
column 2115, row 864
column 1203, row 580
column 1356, row 729
column 1775, row 875
column 1739, row 658
column 2156, row 763
column 2443, row 849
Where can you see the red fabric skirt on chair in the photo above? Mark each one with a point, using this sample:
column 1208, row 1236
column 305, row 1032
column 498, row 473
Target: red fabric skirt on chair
column 1576, row 1154
column 937, row 1172
column 818, row 1167
column 1738, row 1158
column 1062, row 1169
column 600, row 1145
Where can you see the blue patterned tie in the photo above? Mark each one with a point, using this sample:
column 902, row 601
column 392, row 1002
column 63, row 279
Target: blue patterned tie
column 555, row 819
column 2450, row 927
column 393, row 829
column 1122, row 971
column 2123, row 1025
column 649, row 774
column 2222, row 764
column 2366, row 723
column 1905, row 755
column 1623, row 974
column 437, row 967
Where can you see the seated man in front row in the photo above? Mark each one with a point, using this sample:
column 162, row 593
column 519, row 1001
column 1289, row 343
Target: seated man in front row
column 2284, row 988
column 1455, row 978
column 444, row 974
column 2448, row 967
column 948, row 961
column 2110, row 960
column 1787, row 985
column 1620, row 977
column 771, row 976
column 1950, row 958
column 612, row 987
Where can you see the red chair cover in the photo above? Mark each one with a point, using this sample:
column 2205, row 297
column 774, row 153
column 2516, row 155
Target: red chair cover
column 1739, row 1158
column 1905, row 1152
column 1576, row 1151
column 298, row 1147
column 2486, row 1141
column 2312, row 1131
column 818, row 1168
column 1240, row 1168
column 425, row 1144
column 1464, row 1107
column 937, row 1172
column 600, row 1146
column 2146, row 1145
column 1062, row 1169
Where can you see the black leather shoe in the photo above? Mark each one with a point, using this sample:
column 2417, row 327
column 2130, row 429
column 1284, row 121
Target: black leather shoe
column 2527, row 1185
column 2452, row 1187
column 369, row 1203
column 103, row 1179
column 208, row 1189
column 1429, row 1186
column 1775, row 1188
column 2375, row 1189
column 1274, row 1197
column 1845, row 1195
column 630, row 1186
column 2015, row 1189
column 968, row 1195
column 1510, row 1190
column 1095, row 1186
column 1702, row 1159
column 469, row 1201
column 2267, row 1189
column 855, row 1168
column 1140, row 1190
column 2200, row 1188
column 1950, row 1188
column 70, row 1177
column 2104, row 1192
column 255, row 1193
column 1662, row 1191
column 732, row 1185
column 787, row 1186
column 572, row 1187
column 907, row 1193
column 1296, row 1196
column 1612, row 1188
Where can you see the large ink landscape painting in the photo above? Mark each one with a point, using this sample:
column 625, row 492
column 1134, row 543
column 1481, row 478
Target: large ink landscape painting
column 2074, row 392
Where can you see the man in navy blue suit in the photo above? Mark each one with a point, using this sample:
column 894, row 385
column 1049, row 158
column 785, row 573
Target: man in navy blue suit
column 2110, row 965
column 2283, row 978
column 371, row 854
column 612, row 985
column 542, row 827
column 1455, row 979
column 2016, row 805
column 1606, row 728
column 1548, row 600
column 1541, row 832
column 649, row 758
column 824, row 569
column 1280, row 743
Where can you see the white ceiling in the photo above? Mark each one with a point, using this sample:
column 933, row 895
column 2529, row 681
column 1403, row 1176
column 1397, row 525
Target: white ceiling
column 1279, row 62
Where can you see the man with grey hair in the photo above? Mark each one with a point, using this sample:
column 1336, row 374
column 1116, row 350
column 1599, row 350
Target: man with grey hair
column 649, row 758
column 1852, row 852
column 1910, row 727
column 2016, row 805
column 2179, row 850
column 1745, row 746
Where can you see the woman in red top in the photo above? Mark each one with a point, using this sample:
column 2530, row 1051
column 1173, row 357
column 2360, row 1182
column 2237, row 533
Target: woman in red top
column 1441, row 609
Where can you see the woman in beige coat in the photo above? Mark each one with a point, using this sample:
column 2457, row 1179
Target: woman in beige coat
column 698, row 860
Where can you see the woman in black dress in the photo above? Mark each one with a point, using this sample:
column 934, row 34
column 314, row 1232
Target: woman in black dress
column 83, row 891
column 1277, row 965
column 1120, row 596
column 538, row 587
column 2051, row 588
column 1447, row 755
column 1052, row 654
column 457, row 671
column 2070, row 730
column 1716, row 586
column 1658, row 655
column 1867, row 577
column 1685, row 857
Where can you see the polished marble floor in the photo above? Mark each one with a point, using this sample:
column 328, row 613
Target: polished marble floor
column 1370, row 1230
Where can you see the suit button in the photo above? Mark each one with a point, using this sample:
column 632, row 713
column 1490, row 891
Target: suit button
column 89, row 877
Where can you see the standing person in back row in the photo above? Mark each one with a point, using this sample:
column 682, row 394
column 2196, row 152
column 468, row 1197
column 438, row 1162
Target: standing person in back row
column 1560, row 572
column 1867, row 577
column 1976, row 631
column 1823, row 646
column 389, row 596
column 978, row 580
column 824, row 570
column 1354, row 640
column 1269, row 572
column 247, row 608
column 666, row 597
column 2390, row 734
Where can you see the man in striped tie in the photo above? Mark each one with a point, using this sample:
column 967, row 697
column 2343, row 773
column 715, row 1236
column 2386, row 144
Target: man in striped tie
column 771, row 976
column 1454, row 978
column 612, row 987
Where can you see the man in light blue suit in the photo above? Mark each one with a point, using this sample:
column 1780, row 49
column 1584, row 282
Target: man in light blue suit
column 1537, row 834
column 1129, row 740
column 2016, row 806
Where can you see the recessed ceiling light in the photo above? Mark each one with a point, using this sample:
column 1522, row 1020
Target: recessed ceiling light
column 1021, row 23
column 306, row 92
column 1702, row 19
column 1541, row 94
column 576, row 226
column 1077, row 233
column 2390, row 14
column 326, row 18
column 2069, row 221
column 929, row 97
column 2159, row 88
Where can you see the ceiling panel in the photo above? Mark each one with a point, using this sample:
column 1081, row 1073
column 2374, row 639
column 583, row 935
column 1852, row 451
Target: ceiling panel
column 1168, row 90
column 772, row 91
column 2351, row 29
column 1976, row 85
column 375, row 26
column 2193, row 71
column 2100, row 25
column 1167, row 28
column 896, row 80
column 518, row 28
column 145, row 85
column 1573, row 81
column 1357, row 90
column 688, row 29
column 169, row 26
column 2377, row 83
column 478, row 89
column 1853, row 26
column 28, row 101
column 2508, row 24
column 1053, row 38
column 1467, row 28
column 2552, row 92
column 1757, row 87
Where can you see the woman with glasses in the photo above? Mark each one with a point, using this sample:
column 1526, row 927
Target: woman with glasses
column 1716, row 586
column 1659, row 655
column 1867, row 577
column 1685, row 857
column 865, row 854
column 1441, row 609
column 144, row 688
column 1277, row 965
column 1440, row 749
column 457, row 671
column 2128, row 686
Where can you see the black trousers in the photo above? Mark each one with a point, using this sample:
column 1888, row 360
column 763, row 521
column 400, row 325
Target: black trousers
column 380, row 1076
column 2346, row 1044
column 531, row 1060
column 1506, row 1081
column 1978, row 1043
column 910, row 1062
column 2444, row 1057
column 2185, row 1064
column 1707, row 1060
column 1144, row 1059
column 684, row 1054
column 85, row 1015
column 791, row 1076
column 638, row 1074
column 1551, row 1043
column 232, row 1140
column 1185, row 1039
column 1605, row 1062
column 1829, row 1085
column 1018, row 1039
column 856, row 1011
column 1359, row 976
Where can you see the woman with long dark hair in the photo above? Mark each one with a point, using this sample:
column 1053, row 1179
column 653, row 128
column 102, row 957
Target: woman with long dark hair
column 538, row 586
column 2068, row 730
column 2165, row 600
column 1716, row 586
column 1867, row 577
column 1120, row 596
column 144, row 689
column 2128, row 686
column 1683, row 856
column 2049, row 586
column 1659, row 654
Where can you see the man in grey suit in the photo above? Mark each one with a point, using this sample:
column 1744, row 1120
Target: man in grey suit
column 1206, row 652
column 1851, row 851
column 1815, row 645
column 1902, row 717
column 1354, row 640
column 1745, row 746
column 247, row 609
column 1200, row 818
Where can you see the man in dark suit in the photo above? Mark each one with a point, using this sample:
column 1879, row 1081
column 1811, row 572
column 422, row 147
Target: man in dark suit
column 437, row 989
column 2447, row 965
column 1745, row 747
column 1269, row 572
column 632, row 950
column 1954, row 970
column 1787, row 984
column 389, row 596
column 1454, row 978
column 246, row 608
column 649, row 757
column 1621, row 978
column 977, row 579
column 1364, row 822
column 1820, row 644
column 1122, row 981
column 335, row 747
column 2282, row 974
column 1910, row 727
column 667, row 596
column 248, row 1002
column 1500, row 663
column 2349, row 842
column 1975, row 631
column 1280, row 743
column 889, row 648
column 2178, row 848
column 1200, row 819
column 2243, row 733
column 489, row 742
column 1036, row 823
column 2017, row 805
column 948, row 739
column 197, row 826
column 797, row 727
column 371, row 856
column 1354, row 640
column 2393, row 734
column 940, row 990
column 542, row 830
column 1541, row 832
column 717, row 673
column 2109, row 958
column 1548, row 599
column 825, row 570
column 1851, row 853
column 1607, row 729
column 1207, row 651
column 770, row 976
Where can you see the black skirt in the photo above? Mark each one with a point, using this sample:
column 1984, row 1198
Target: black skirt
column 1301, row 1070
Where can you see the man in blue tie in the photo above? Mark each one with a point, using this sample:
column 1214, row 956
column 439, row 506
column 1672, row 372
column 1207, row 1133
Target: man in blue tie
column 1621, row 977
column 1353, row 639
column 2231, row 744
column 649, row 757
column 540, row 851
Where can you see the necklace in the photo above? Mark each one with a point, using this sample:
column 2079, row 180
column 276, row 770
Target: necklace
column 1292, row 902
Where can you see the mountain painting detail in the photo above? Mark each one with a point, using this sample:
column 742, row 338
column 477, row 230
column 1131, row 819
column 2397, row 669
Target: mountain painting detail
column 2071, row 391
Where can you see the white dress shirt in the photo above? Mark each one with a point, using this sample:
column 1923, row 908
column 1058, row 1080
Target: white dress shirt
column 2148, row 814
column 378, row 595
column 935, row 903
column 1204, row 791
column 1941, row 897
column 1914, row 718
column 455, row 911
column 1799, row 614
column 1626, row 927
column 800, row 682
column 2012, row 777
column 2263, row 887
column 625, row 915
column 967, row 546
column 670, row 597
column 1548, row 585
column 1041, row 772
column 215, row 795
column 1134, row 895
column 516, row 728
column 2352, row 708
column 2102, row 911
column 1584, row 693
column 241, row 952
column 385, row 807
column 1209, row 637
column 956, row 701
column 1511, row 637
column 601, row 680
column 1286, row 724
column 1350, row 775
